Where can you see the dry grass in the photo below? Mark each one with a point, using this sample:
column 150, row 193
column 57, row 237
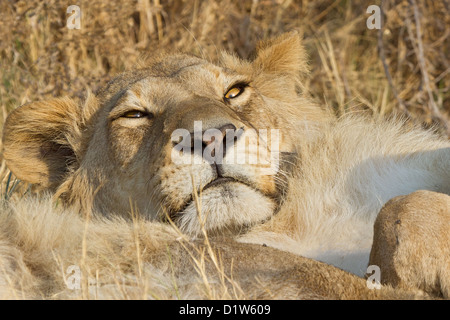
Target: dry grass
column 404, row 67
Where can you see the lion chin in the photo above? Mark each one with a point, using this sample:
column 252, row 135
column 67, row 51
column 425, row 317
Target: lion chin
column 229, row 206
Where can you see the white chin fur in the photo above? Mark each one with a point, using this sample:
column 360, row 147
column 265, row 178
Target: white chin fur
column 227, row 206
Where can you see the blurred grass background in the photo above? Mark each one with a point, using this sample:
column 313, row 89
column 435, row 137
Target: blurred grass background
column 404, row 67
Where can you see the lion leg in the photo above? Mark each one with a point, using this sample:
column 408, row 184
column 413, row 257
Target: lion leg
column 412, row 243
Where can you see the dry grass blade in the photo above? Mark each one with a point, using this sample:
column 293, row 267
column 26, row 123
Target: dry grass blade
column 423, row 68
column 382, row 53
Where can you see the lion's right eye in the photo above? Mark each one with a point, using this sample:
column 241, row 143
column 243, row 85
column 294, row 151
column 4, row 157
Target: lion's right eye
column 134, row 114
column 235, row 91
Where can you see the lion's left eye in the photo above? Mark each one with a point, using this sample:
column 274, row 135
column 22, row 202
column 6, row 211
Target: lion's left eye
column 234, row 92
column 135, row 114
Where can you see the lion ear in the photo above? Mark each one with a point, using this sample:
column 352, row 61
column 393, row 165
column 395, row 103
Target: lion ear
column 284, row 54
column 40, row 140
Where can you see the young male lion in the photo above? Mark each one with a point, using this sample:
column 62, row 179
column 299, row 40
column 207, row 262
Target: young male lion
column 314, row 188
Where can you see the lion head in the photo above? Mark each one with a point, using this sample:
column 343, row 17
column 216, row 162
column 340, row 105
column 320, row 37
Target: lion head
column 207, row 145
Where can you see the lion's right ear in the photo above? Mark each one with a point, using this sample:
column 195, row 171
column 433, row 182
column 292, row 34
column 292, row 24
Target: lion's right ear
column 40, row 140
column 284, row 54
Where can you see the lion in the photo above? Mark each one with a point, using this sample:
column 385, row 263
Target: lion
column 185, row 142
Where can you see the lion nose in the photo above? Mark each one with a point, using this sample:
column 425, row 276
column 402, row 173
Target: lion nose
column 214, row 137
column 206, row 129
column 216, row 141
column 211, row 144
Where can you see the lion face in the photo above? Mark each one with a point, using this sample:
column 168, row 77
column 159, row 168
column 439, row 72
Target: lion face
column 174, row 173
column 205, row 145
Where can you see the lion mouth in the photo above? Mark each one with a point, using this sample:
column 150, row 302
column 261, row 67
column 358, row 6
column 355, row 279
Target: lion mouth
column 175, row 214
column 219, row 181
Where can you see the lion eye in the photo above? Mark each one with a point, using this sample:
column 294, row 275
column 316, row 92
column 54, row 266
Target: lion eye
column 136, row 114
column 234, row 92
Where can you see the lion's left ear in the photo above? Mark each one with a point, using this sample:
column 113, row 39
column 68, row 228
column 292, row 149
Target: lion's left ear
column 284, row 54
